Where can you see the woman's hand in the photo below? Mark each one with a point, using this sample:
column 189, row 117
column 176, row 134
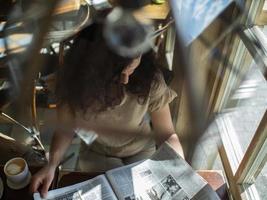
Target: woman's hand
column 42, row 180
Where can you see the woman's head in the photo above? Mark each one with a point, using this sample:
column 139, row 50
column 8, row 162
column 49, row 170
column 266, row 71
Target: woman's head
column 93, row 76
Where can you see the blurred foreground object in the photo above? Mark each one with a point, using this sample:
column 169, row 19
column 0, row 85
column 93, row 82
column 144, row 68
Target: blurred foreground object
column 65, row 6
column 22, row 37
column 194, row 21
column 198, row 14
column 126, row 34
column 126, row 31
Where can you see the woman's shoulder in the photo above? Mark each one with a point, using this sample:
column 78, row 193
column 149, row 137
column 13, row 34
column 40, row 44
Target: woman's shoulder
column 158, row 84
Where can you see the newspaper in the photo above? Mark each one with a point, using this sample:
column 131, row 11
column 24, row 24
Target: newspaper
column 94, row 189
column 165, row 176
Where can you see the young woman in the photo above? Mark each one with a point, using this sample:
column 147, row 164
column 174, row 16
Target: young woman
column 107, row 97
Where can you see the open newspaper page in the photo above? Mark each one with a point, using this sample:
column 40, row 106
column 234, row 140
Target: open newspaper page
column 164, row 176
column 97, row 188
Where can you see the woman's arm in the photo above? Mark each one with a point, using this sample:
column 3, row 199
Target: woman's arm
column 60, row 143
column 163, row 127
column 61, row 140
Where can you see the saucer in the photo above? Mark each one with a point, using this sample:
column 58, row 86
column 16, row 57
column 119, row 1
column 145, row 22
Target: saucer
column 16, row 186
column 1, row 188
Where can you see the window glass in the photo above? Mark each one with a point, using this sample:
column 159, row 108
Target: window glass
column 261, row 183
column 251, row 102
column 245, row 107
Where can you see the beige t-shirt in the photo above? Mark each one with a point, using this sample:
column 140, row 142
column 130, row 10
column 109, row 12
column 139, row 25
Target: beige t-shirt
column 124, row 130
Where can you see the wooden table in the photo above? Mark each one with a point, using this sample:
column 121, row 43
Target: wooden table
column 65, row 178
column 10, row 194
column 216, row 180
column 22, row 194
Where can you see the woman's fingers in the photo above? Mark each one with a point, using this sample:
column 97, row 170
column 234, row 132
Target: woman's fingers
column 45, row 186
column 41, row 185
column 35, row 185
column 42, row 181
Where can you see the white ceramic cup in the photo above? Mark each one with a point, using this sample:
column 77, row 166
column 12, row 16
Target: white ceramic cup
column 17, row 173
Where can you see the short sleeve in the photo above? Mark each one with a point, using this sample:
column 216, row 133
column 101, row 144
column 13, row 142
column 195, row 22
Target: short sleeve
column 160, row 95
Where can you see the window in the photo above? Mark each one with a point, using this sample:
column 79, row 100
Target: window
column 243, row 122
column 260, row 183
column 244, row 110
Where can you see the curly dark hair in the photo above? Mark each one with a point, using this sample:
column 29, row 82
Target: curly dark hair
column 90, row 77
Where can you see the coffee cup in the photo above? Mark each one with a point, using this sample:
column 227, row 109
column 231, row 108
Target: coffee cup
column 17, row 173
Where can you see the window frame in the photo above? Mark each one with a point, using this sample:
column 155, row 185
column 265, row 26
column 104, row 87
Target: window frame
column 254, row 158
